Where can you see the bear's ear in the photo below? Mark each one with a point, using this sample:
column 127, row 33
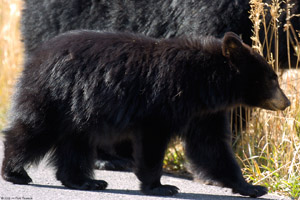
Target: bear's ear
column 231, row 44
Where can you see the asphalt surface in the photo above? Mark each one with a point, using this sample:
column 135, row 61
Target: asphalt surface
column 121, row 185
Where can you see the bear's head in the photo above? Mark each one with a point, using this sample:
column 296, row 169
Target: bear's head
column 256, row 81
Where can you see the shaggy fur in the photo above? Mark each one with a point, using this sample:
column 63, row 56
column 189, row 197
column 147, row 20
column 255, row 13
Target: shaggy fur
column 87, row 89
column 44, row 19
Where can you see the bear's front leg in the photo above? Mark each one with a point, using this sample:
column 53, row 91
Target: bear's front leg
column 207, row 145
column 74, row 160
column 149, row 149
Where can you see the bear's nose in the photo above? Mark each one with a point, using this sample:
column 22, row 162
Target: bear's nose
column 288, row 103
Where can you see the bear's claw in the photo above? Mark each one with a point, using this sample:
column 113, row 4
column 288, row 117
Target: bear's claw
column 162, row 190
column 251, row 190
column 21, row 177
column 86, row 185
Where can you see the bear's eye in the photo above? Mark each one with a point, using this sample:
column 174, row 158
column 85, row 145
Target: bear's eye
column 274, row 80
column 274, row 77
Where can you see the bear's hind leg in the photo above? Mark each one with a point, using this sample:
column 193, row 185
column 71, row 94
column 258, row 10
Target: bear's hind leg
column 23, row 145
column 149, row 149
column 74, row 159
column 207, row 145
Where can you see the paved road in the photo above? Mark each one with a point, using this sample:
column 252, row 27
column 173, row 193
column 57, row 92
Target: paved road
column 121, row 185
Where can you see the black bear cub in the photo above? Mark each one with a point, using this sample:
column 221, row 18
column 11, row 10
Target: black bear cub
column 86, row 89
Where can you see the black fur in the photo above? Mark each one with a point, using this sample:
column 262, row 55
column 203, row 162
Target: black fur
column 87, row 89
column 44, row 19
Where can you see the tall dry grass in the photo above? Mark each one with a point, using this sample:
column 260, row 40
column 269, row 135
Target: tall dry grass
column 268, row 147
column 267, row 143
column 11, row 51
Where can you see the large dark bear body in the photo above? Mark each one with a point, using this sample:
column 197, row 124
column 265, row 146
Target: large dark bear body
column 44, row 19
column 87, row 89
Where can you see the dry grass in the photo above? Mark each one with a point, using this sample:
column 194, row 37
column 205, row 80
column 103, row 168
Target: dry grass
column 11, row 52
column 269, row 146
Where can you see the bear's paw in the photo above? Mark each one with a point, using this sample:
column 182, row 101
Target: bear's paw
column 88, row 184
column 162, row 190
column 251, row 190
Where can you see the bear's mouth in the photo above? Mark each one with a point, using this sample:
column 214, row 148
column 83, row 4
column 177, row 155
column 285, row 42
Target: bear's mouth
column 272, row 106
column 278, row 102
